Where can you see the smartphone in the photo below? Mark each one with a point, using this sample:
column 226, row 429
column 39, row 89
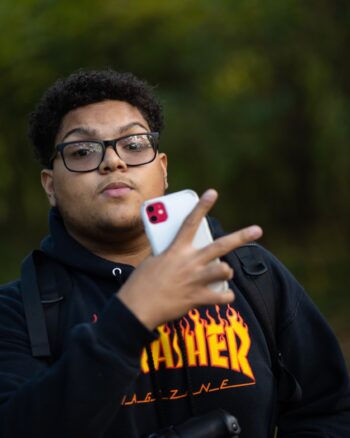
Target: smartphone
column 163, row 217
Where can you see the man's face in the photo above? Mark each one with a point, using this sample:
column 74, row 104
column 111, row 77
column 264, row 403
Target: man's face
column 106, row 201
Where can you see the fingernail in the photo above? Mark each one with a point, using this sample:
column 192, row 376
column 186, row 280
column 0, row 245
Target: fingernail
column 255, row 232
column 210, row 195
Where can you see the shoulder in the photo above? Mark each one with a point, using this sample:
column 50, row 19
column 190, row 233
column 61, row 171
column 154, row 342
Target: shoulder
column 10, row 291
column 287, row 291
column 13, row 325
column 255, row 250
column 11, row 305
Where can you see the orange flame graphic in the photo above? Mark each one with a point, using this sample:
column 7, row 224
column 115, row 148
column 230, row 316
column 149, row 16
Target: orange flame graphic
column 220, row 341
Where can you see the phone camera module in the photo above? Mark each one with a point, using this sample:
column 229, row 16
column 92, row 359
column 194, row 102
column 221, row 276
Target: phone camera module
column 156, row 212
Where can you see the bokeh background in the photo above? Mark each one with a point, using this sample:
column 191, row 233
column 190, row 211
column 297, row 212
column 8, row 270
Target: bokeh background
column 257, row 104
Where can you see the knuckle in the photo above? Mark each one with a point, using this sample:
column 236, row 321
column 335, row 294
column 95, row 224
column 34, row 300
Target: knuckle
column 225, row 267
column 227, row 297
column 191, row 220
column 245, row 235
column 227, row 270
column 221, row 246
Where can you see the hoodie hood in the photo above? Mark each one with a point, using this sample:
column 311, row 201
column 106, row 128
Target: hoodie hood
column 62, row 247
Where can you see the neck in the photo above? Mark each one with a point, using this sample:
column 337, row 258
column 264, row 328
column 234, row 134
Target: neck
column 128, row 248
column 130, row 255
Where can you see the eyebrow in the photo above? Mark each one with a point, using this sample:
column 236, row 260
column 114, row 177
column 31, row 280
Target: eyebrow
column 130, row 125
column 81, row 130
column 85, row 130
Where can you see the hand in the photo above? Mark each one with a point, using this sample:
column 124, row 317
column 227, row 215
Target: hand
column 167, row 286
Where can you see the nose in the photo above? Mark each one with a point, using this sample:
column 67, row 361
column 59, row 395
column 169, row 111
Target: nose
column 111, row 161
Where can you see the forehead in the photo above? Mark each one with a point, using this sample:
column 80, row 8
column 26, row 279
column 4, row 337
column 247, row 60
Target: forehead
column 108, row 118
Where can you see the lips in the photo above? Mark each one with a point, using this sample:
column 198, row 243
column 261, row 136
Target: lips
column 116, row 189
column 116, row 185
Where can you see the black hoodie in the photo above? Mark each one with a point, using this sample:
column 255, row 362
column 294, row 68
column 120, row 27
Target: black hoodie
column 102, row 385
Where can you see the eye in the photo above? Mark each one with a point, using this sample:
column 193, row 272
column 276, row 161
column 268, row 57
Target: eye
column 80, row 151
column 136, row 144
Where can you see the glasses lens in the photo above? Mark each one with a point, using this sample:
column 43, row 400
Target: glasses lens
column 136, row 149
column 82, row 156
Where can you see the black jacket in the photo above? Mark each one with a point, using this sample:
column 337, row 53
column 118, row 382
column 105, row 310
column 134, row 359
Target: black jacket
column 100, row 385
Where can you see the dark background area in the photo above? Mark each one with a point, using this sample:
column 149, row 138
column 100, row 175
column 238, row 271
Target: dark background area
column 257, row 105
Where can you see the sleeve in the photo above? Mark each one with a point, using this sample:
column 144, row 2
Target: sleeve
column 311, row 352
column 79, row 395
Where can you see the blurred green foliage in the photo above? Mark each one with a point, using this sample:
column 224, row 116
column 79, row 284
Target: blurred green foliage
column 257, row 103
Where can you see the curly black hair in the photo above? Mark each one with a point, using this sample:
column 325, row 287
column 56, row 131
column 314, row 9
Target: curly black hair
column 83, row 88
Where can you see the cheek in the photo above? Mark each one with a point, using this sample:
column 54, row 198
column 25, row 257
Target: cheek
column 155, row 180
column 69, row 192
column 154, row 187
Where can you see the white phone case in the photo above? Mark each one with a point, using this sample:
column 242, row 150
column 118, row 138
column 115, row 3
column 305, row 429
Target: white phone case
column 170, row 211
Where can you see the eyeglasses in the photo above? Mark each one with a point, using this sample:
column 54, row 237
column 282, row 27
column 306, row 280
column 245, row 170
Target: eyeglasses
column 87, row 155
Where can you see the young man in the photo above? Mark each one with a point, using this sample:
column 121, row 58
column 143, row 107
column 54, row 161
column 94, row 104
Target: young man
column 142, row 342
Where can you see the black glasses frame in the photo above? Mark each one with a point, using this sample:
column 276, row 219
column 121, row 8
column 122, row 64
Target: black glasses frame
column 106, row 143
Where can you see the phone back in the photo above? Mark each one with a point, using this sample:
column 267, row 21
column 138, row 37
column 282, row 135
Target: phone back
column 163, row 217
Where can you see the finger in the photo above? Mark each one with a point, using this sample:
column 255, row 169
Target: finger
column 191, row 223
column 208, row 297
column 228, row 243
column 213, row 272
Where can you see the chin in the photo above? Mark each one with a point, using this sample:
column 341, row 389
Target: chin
column 125, row 224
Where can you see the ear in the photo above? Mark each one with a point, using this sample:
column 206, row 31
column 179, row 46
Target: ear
column 48, row 185
column 164, row 165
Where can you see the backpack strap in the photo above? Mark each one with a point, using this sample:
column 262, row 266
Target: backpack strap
column 254, row 278
column 260, row 293
column 40, row 301
column 263, row 298
column 33, row 309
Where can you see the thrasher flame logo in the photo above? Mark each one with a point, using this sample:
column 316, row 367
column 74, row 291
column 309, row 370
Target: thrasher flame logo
column 216, row 342
column 219, row 341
